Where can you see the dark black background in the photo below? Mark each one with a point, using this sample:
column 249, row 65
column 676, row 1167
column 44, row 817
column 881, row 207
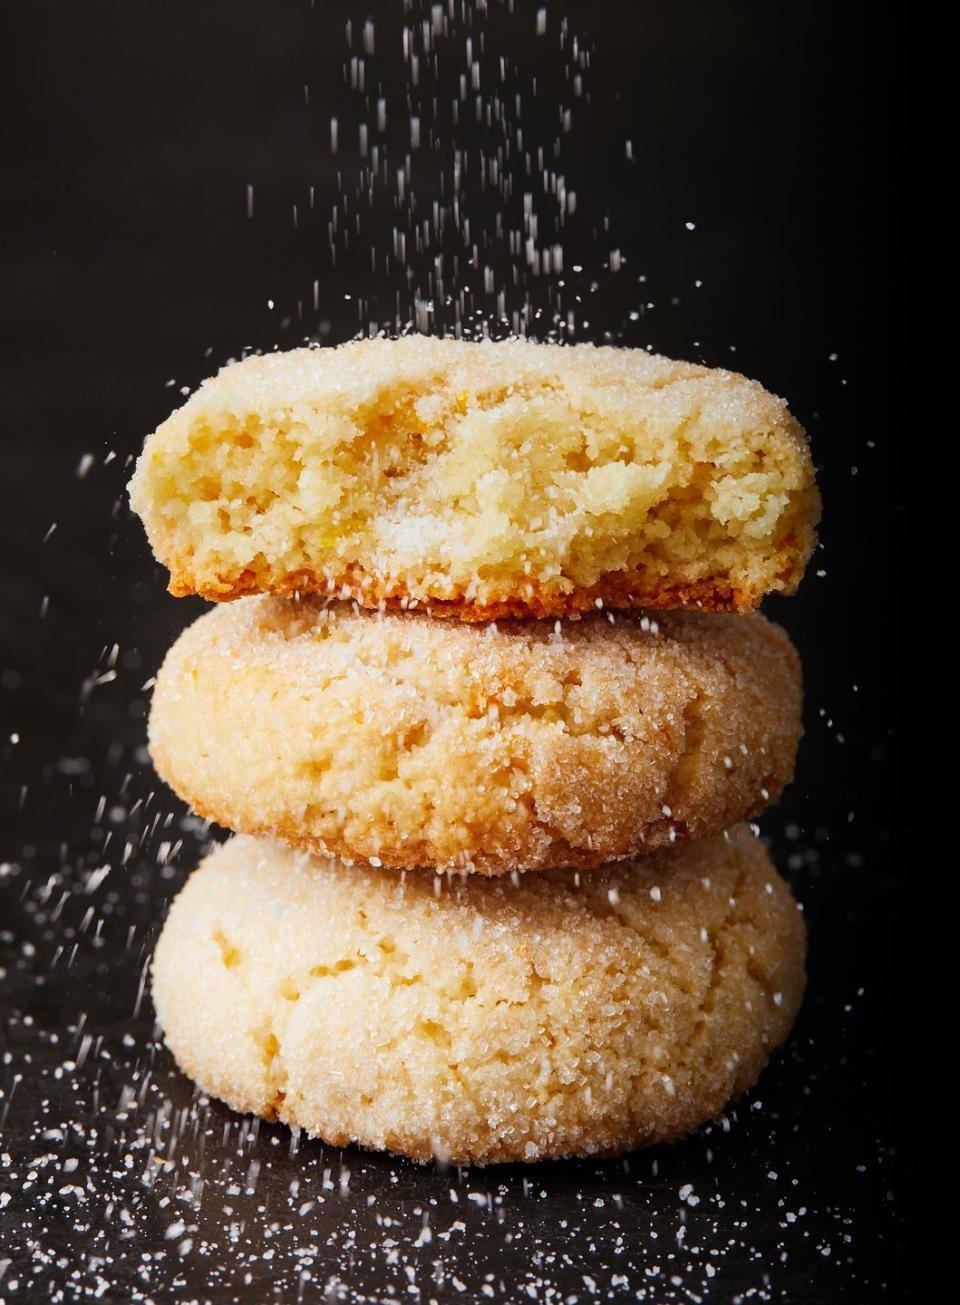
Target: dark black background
column 129, row 260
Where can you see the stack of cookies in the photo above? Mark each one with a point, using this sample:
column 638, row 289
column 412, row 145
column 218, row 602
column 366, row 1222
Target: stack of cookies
column 487, row 709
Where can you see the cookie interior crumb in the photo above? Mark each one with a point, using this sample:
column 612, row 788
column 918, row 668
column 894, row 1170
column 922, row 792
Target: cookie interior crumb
column 477, row 474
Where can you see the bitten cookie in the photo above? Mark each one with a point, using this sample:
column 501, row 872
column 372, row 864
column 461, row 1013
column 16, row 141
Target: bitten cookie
column 481, row 480
column 403, row 741
column 481, row 1020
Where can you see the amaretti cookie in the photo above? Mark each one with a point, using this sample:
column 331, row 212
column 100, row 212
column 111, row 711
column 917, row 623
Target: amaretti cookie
column 475, row 1019
column 481, row 480
column 402, row 741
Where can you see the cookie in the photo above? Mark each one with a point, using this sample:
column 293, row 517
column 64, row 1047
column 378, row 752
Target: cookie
column 476, row 1019
column 481, row 480
column 403, row 741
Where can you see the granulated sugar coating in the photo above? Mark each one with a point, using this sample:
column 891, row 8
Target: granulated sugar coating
column 407, row 741
column 481, row 1020
column 481, row 479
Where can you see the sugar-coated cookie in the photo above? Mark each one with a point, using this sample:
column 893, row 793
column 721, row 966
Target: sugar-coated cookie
column 481, row 1019
column 403, row 741
column 481, row 480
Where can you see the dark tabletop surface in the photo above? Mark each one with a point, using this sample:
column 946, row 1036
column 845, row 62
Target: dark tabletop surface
column 733, row 155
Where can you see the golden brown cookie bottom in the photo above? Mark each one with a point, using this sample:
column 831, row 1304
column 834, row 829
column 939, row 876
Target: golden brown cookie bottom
column 618, row 590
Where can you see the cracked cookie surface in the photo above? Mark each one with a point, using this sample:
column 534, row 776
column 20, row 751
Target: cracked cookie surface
column 481, row 480
column 404, row 741
column 481, row 1020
